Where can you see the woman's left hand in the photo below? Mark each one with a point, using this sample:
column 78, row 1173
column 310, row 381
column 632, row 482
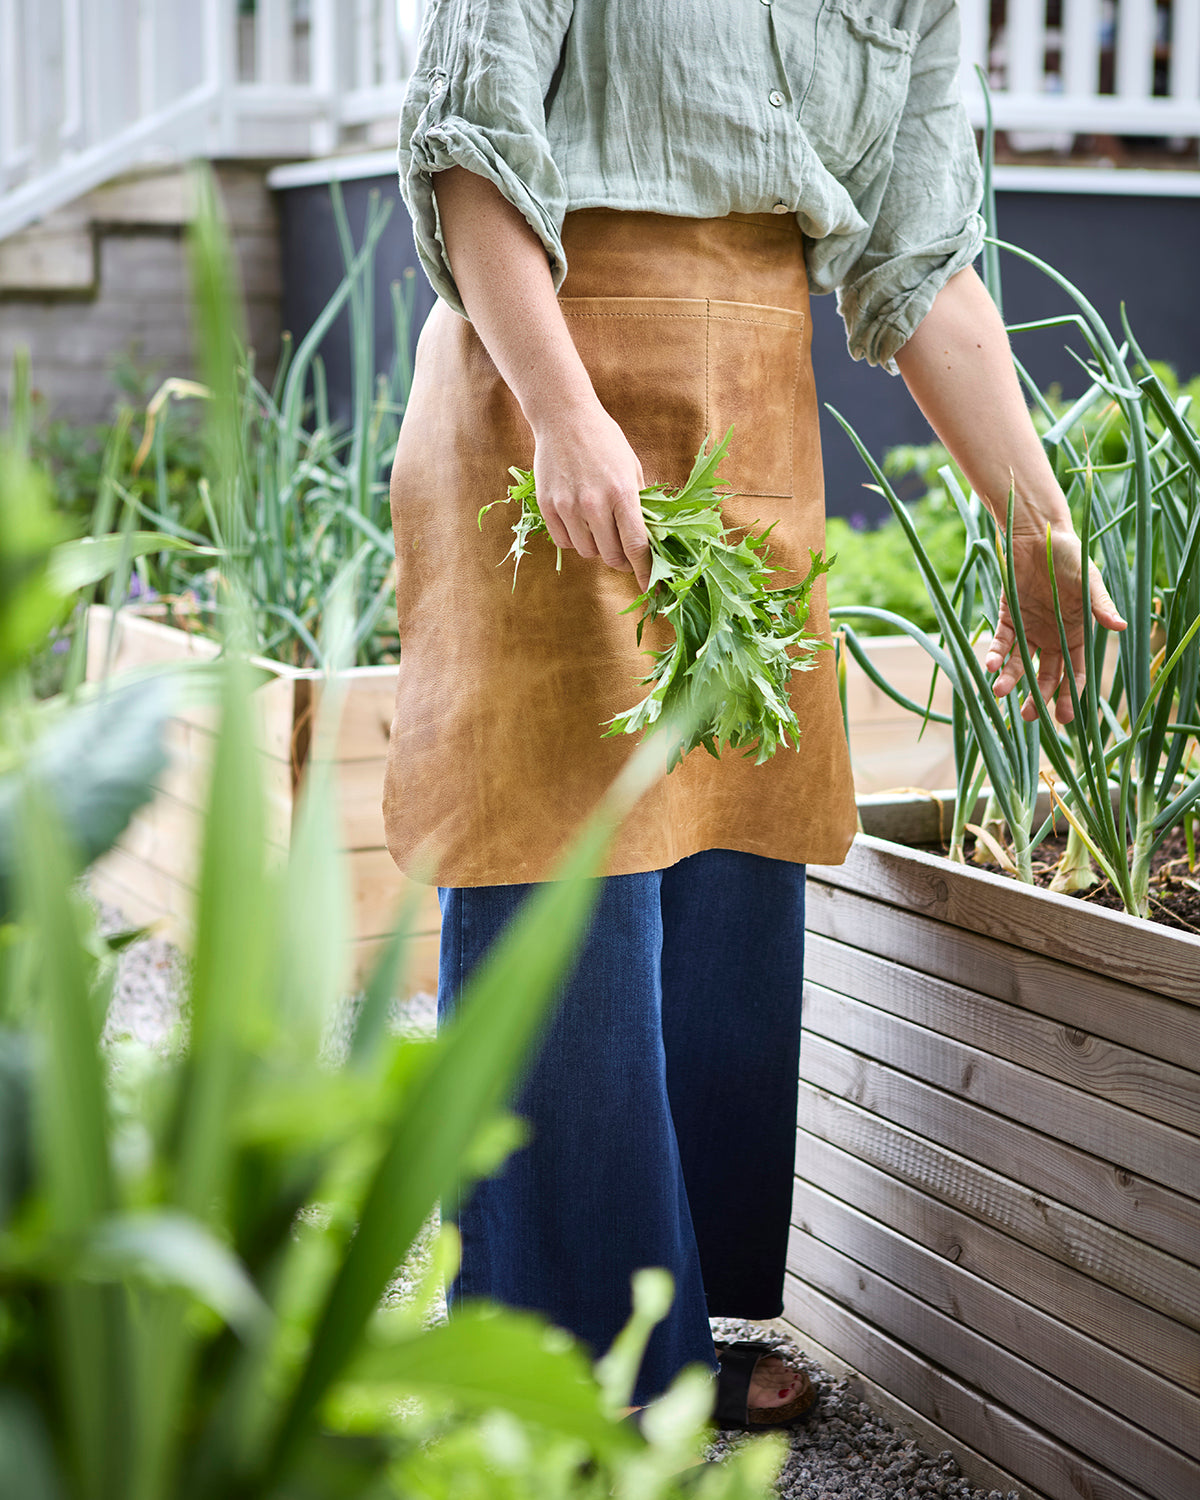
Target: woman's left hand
column 1036, row 601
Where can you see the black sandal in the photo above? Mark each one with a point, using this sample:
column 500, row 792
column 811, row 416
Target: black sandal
column 732, row 1409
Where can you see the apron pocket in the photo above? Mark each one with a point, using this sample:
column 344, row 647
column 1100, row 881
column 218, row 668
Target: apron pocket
column 754, row 356
column 673, row 370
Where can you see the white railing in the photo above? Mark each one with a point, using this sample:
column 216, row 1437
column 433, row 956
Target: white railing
column 1104, row 67
column 90, row 88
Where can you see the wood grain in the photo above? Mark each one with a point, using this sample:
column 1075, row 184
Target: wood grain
column 1056, row 1469
column 1108, row 1439
column 977, row 1176
column 378, row 888
column 907, row 1421
column 359, row 788
column 1094, row 1003
column 1101, row 942
column 1127, row 1143
column 1129, row 1391
column 1035, row 1276
column 421, row 971
column 1118, row 1074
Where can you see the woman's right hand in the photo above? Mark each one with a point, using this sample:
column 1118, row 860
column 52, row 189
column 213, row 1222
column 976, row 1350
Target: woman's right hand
column 588, row 480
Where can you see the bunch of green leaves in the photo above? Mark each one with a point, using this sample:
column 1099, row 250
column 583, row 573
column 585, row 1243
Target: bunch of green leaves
column 302, row 495
column 737, row 641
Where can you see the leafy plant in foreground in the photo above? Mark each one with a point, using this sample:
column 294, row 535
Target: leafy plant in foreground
column 737, row 641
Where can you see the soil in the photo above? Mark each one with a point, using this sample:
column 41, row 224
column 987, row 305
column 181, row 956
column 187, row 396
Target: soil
column 1174, row 889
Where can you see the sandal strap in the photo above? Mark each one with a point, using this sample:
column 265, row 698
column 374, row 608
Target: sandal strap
column 737, row 1362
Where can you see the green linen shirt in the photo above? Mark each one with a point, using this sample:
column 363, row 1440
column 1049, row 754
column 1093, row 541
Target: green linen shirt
column 845, row 113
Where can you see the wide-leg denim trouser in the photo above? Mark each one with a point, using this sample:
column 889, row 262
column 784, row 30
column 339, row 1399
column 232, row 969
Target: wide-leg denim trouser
column 662, row 1107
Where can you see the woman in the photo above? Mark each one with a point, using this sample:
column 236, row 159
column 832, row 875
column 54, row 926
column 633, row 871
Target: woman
column 630, row 200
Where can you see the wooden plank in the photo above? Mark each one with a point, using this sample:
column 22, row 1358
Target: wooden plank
column 904, row 1419
column 144, row 642
column 421, row 973
column 143, row 894
column 889, row 757
column 1121, row 1075
column 191, row 750
column 379, row 888
column 1129, row 1144
column 1093, row 1003
column 1101, row 942
column 1104, row 1437
column 902, row 663
column 359, row 786
column 1134, row 1394
column 366, row 720
column 1008, row 1439
column 1097, row 1247
column 1122, row 1322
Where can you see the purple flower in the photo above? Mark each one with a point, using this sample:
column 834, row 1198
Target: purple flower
column 139, row 590
column 60, row 645
column 858, row 521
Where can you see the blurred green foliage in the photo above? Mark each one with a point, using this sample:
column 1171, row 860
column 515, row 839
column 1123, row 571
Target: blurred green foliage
column 196, row 1241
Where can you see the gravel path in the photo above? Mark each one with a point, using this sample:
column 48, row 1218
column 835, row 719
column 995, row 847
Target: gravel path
column 845, row 1452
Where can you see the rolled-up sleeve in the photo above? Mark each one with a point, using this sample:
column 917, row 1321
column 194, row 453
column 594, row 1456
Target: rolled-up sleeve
column 476, row 100
column 928, row 225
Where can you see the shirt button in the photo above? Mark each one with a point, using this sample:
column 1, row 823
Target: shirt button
column 779, row 208
column 776, row 98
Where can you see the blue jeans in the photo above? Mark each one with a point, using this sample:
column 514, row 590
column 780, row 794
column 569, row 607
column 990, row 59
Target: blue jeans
column 662, row 1104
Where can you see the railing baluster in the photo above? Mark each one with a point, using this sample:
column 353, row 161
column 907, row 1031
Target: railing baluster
column 1026, row 46
column 389, row 42
column 71, row 130
column 273, row 42
column 364, row 54
column 323, row 74
column 1136, row 26
column 1185, row 50
column 973, row 19
column 1081, row 47
column 11, row 96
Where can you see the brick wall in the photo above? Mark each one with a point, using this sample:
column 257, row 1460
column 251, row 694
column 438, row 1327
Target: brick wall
column 107, row 277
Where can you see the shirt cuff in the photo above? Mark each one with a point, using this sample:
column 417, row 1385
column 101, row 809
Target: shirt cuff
column 879, row 320
column 455, row 142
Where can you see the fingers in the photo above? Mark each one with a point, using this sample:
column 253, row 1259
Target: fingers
column 635, row 544
column 1004, row 659
column 1105, row 611
column 1001, row 655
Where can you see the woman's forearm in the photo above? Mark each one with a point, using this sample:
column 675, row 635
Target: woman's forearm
column 959, row 368
column 503, row 278
column 588, row 477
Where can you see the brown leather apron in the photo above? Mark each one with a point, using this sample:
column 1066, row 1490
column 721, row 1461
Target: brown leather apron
column 496, row 752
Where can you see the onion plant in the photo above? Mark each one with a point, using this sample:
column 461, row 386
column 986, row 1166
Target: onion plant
column 1124, row 779
column 306, row 494
column 1123, row 756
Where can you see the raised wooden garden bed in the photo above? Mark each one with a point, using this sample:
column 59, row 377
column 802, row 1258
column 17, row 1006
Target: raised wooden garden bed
column 997, row 1211
column 151, row 874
